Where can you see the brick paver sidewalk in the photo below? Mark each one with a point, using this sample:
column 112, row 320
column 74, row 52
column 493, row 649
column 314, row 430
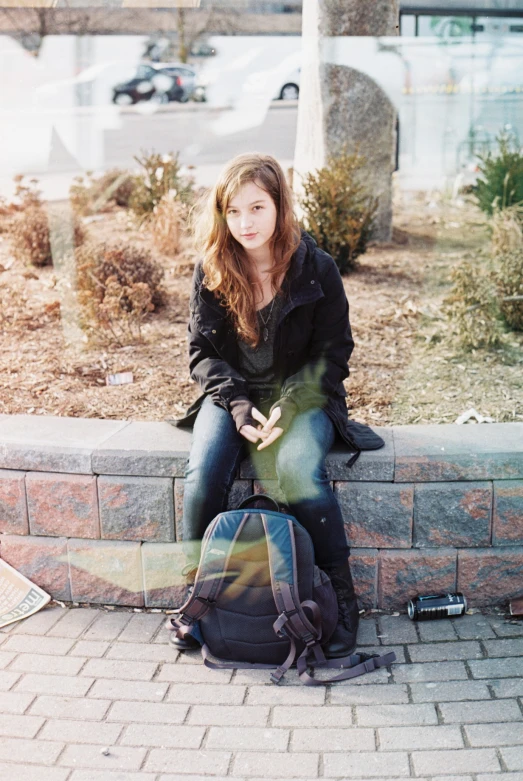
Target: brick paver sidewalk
column 96, row 695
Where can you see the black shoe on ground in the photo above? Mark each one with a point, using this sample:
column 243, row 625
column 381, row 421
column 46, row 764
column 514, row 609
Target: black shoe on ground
column 343, row 639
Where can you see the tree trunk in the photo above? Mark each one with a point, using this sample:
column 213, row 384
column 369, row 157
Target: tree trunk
column 341, row 105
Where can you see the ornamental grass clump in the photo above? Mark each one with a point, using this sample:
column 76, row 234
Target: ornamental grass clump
column 338, row 210
column 91, row 194
column 160, row 175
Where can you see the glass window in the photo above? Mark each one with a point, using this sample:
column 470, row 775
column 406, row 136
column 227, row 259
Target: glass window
column 445, row 26
column 407, row 24
column 494, row 26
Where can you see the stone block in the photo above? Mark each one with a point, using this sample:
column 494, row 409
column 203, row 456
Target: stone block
column 47, row 443
column 41, row 559
column 444, row 452
column 136, row 508
column 507, row 527
column 13, row 506
column 164, row 584
column 364, row 568
column 404, row 574
column 108, row 573
column 377, row 515
column 457, row 514
column 490, row 576
column 144, row 448
column 61, row 505
column 372, row 465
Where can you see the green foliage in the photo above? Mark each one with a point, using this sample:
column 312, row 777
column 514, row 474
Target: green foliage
column 338, row 210
column 92, row 194
column 118, row 285
column 501, row 181
column 160, row 176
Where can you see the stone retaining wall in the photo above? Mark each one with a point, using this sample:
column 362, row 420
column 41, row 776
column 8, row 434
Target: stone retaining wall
column 90, row 509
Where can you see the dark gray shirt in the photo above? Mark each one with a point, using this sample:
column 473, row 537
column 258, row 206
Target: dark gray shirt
column 257, row 363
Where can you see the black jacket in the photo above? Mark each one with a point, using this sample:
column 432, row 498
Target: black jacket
column 312, row 347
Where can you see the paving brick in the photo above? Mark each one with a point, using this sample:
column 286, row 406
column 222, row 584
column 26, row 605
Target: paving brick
column 107, row 626
column 504, row 734
column 504, row 628
column 491, row 576
column 507, row 647
column 251, row 677
column 403, row 574
column 333, row 739
column 367, row 632
column 207, row 762
column 435, row 631
column 119, row 757
column 141, row 628
column 72, row 731
column 377, row 515
column 507, row 527
column 311, row 715
column 369, row 695
column 191, row 777
column 497, row 668
column 440, row 652
column 53, row 665
column 428, row 453
column 13, row 505
column 388, row 764
column 107, row 573
column 395, row 715
column 33, row 751
column 474, row 627
column 40, row 623
column 480, row 712
column 240, row 738
column 183, row 673
column 6, row 658
column 509, row 687
column 495, row 777
column 13, row 726
column 456, row 761
column 512, row 757
column 419, row 738
column 31, row 772
column 149, row 712
column 277, row 765
column 447, row 692
column 139, row 652
column 89, row 648
column 433, row 671
column 136, row 508
column 128, row 690
column 8, row 680
column 118, row 669
column 109, row 775
column 466, row 508
column 73, row 622
column 227, row 715
column 76, row 497
column 41, row 559
column 70, row 708
column 49, row 646
column 16, row 702
column 396, row 629
column 66, row 685
column 364, row 567
column 208, row 694
column 162, row 569
column 285, row 695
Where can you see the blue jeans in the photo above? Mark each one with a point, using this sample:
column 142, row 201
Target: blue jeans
column 299, row 453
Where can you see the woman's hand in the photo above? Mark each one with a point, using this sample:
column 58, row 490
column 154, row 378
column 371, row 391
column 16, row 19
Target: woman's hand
column 270, row 432
column 250, row 432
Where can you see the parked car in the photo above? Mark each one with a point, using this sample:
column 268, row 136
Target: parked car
column 184, row 73
column 153, row 81
column 255, row 82
column 290, row 90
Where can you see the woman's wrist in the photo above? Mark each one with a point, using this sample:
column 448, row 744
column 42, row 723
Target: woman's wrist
column 241, row 410
column 288, row 409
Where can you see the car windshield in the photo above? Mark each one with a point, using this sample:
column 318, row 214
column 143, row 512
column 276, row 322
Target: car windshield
column 144, row 72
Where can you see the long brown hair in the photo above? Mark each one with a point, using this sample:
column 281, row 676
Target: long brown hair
column 228, row 271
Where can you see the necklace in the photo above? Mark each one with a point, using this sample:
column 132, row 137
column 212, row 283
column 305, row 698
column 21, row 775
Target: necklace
column 265, row 331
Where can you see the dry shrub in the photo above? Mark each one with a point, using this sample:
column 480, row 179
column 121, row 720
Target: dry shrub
column 118, row 285
column 472, row 307
column 160, row 175
column 92, row 194
column 338, row 209
column 507, row 256
column 167, row 224
column 31, row 237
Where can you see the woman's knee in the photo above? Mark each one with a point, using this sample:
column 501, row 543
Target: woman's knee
column 301, row 478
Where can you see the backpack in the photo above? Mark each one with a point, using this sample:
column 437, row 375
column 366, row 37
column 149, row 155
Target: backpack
column 259, row 601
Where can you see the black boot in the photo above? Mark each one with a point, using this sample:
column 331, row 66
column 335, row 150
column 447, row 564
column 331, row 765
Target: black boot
column 188, row 643
column 343, row 640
